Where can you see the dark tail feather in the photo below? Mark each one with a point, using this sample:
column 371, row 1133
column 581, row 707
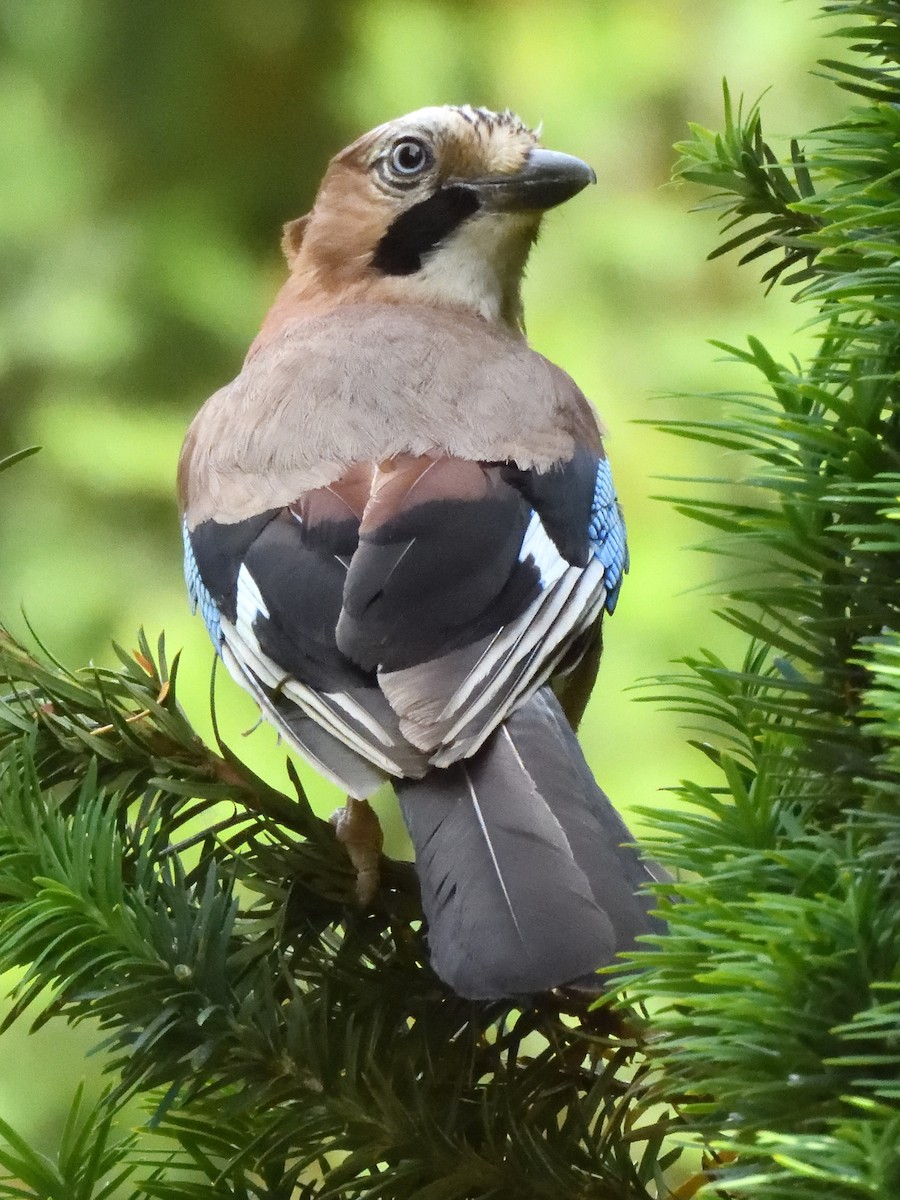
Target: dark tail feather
column 525, row 882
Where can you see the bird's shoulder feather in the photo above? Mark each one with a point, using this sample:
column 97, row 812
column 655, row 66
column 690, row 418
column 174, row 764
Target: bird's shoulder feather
column 390, row 379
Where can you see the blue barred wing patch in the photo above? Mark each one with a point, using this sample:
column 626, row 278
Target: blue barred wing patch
column 200, row 597
column 607, row 533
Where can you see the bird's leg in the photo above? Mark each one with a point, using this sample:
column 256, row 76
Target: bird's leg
column 359, row 832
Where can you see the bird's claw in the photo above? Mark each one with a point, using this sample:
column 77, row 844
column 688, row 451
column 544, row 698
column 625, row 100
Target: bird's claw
column 358, row 830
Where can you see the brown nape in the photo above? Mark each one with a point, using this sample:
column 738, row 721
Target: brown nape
column 329, row 250
column 347, row 220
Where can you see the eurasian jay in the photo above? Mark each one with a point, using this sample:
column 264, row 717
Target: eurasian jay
column 402, row 533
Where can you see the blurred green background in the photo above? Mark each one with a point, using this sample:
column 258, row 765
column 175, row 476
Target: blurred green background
column 149, row 154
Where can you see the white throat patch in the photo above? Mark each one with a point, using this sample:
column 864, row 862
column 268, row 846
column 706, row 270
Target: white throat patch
column 479, row 266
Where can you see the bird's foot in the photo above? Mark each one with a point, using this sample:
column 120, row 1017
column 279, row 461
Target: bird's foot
column 357, row 829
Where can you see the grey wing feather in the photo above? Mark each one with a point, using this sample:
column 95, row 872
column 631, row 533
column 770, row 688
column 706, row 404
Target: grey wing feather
column 451, row 705
column 329, row 754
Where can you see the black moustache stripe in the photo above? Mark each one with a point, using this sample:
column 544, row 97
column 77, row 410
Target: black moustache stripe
column 421, row 228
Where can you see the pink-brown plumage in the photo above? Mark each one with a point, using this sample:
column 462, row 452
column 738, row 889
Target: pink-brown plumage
column 400, row 526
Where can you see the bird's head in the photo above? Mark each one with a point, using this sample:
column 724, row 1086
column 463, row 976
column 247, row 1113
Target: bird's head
column 438, row 207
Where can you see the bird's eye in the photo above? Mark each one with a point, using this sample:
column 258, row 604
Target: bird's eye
column 409, row 157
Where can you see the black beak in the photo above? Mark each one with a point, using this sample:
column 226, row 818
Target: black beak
column 546, row 179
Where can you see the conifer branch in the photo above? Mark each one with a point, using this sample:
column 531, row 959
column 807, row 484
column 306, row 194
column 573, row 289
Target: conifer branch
column 286, row 1039
column 777, row 982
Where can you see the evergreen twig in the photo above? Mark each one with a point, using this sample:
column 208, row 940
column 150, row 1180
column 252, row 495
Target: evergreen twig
column 290, row 1044
column 777, row 987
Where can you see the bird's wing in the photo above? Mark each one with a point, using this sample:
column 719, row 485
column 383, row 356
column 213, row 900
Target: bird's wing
column 391, row 620
column 519, row 568
column 270, row 590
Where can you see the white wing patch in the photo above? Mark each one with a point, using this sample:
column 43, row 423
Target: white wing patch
column 249, row 604
column 539, row 546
